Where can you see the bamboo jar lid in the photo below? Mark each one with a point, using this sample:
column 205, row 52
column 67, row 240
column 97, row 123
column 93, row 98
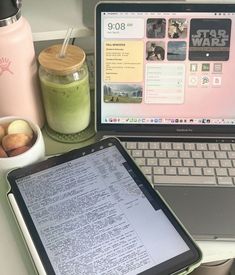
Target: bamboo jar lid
column 50, row 60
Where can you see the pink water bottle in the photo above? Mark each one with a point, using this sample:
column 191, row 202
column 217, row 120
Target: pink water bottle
column 20, row 94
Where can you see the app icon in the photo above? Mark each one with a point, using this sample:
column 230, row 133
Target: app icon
column 205, row 81
column 193, row 67
column 217, row 68
column 193, row 80
column 216, row 80
column 205, row 67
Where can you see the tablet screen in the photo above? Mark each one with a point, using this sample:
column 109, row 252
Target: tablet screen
column 93, row 212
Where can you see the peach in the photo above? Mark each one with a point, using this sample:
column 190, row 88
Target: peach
column 18, row 151
column 3, row 154
column 2, row 132
column 13, row 141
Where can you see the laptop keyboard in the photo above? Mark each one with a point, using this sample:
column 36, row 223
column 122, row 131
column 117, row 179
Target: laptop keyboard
column 178, row 163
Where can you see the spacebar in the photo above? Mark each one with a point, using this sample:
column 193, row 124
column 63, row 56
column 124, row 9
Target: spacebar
column 198, row 180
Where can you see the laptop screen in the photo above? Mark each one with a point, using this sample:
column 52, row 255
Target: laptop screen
column 165, row 65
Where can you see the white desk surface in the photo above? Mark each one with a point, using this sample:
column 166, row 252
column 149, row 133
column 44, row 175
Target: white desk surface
column 14, row 257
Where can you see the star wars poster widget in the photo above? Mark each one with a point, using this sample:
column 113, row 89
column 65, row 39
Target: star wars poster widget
column 209, row 39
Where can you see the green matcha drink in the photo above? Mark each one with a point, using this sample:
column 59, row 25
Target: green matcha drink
column 65, row 89
column 67, row 106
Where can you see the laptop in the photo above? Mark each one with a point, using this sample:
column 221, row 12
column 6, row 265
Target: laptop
column 164, row 83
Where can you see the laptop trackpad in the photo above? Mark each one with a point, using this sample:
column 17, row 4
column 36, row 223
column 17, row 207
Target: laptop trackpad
column 207, row 213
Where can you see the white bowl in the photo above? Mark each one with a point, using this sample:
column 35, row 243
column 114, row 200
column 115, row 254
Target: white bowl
column 34, row 154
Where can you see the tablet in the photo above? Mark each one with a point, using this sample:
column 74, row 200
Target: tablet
column 92, row 211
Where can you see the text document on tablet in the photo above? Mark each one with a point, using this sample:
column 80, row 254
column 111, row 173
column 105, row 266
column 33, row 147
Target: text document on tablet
column 94, row 215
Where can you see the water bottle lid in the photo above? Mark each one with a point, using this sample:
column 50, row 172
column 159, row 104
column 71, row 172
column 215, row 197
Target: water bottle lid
column 8, row 8
column 50, row 60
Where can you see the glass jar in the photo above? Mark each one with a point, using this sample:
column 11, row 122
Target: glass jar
column 65, row 89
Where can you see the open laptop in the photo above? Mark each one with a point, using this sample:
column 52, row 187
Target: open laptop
column 164, row 74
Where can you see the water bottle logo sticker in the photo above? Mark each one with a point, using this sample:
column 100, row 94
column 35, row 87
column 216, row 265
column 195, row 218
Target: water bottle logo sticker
column 5, row 64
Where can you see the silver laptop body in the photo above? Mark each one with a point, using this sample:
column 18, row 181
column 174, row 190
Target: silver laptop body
column 164, row 84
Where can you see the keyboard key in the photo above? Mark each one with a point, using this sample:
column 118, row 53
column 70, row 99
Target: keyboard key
column 131, row 145
column 189, row 146
column 129, row 152
column 178, row 146
column 152, row 161
column 196, row 154
column 160, row 153
column 221, row 155
column 183, row 171
column 225, row 147
column 149, row 177
column 233, row 146
column 176, row 162
column 213, row 163
column 172, row 154
column 185, row 180
column 195, row 171
column 201, row 146
column 158, row 170
column 166, row 145
column 184, row 154
column 164, row 162
column 231, row 155
column 143, row 145
column 200, row 162
column 225, row 163
column 221, row 171
column 209, row 171
column 171, row 170
column 213, row 146
column 154, row 145
column 208, row 155
column 148, row 153
column 147, row 170
column 231, row 172
column 137, row 153
column 188, row 162
column 140, row 161
column 225, row 181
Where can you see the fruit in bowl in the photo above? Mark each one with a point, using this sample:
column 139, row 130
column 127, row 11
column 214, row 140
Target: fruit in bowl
column 16, row 138
column 21, row 143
